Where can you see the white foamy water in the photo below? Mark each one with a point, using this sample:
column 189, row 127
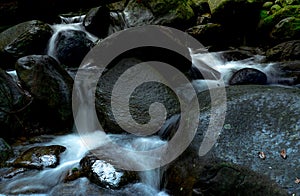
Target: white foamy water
column 57, row 28
column 76, row 148
column 78, row 145
column 43, row 181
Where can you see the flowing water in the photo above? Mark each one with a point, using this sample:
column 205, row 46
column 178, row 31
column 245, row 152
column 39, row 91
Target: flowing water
column 42, row 182
column 73, row 23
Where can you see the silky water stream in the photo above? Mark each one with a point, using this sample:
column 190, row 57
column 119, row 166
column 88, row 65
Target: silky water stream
column 46, row 181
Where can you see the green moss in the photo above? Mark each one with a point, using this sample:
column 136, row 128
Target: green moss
column 275, row 8
column 264, row 14
column 288, row 11
column 267, row 5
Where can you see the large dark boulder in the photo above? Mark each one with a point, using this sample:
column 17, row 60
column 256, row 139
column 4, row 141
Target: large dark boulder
column 50, row 86
column 71, row 47
column 248, row 76
column 208, row 34
column 172, row 13
column 23, row 39
column 140, row 102
column 258, row 118
column 285, row 51
column 13, row 101
column 193, row 175
column 288, row 72
column 97, row 21
column 238, row 17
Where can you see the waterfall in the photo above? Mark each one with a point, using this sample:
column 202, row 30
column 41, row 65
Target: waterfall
column 228, row 68
column 43, row 181
column 76, row 145
column 70, row 20
column 68, row 24
column 118, row 22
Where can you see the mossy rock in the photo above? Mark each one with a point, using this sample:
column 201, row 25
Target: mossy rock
column 288, row 11
column 267, row 5
column 287, row 29
column 173, row 13
column 275, row 8
column 286, row 51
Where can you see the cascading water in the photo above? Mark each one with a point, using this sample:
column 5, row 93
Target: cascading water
column 72, row 23
column 44, row 181
column 118, row 22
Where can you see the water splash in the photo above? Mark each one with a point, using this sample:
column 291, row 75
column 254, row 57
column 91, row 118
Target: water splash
column 57, row 28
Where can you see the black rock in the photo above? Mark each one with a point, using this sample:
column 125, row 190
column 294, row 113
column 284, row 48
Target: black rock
column 248, row 76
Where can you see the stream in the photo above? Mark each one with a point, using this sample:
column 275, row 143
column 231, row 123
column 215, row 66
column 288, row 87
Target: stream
column 45, row 182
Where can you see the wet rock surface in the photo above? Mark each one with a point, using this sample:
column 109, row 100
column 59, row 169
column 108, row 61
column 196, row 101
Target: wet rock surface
column 193, row 175
column 258, row 118
column 285, row 51
column 72, row 46
column 13, row 100
column 54, row 96
column 248, row 76
column 105, row 174
column 39, row 157
column 97, row 21
column 23, row 39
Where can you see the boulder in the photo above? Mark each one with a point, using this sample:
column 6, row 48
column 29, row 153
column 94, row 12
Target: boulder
column 288, row 73
column 140, row 102
column 269, row 21
column 285, row 51
column 147, row 93
column 97, row 21
column 258, row 119
column 172, row 13
column 13, row 101
column 52, row 97
column 207, row 34
column 23, row 39
column 235, row 13
column 192, row 175
column 71, row 47
column 286, row 29
column 248, row 76
column 105, row 174
column 39, row 157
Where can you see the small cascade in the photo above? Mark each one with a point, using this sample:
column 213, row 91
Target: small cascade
column 43, row 181
column 118, row 22
column 228, row 68
column 72, row 23
column 71, row 20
